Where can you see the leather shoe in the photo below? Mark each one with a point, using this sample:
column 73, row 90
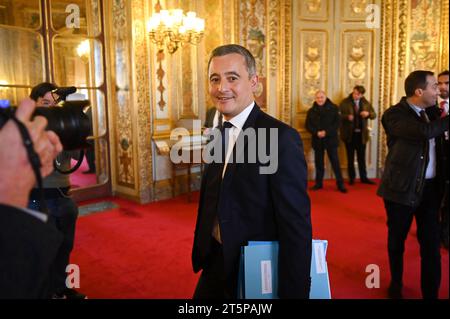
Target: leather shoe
column 395, row 291
column 368, row 181
column 342, row 189
column 316, row 187
column 351, row 181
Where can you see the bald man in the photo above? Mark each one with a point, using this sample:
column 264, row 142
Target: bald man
column 322, row 121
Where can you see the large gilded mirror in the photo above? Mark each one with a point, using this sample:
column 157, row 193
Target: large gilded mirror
column 59, row 41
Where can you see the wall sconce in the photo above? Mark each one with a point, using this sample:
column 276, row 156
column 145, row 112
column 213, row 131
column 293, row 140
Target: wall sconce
column 83, row 50
column 173, row 29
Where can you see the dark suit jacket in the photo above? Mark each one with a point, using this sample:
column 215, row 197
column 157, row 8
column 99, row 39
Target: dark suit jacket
column 407, row 159
column 346, row 108
column 257, row 207
column 28, row 247
column 327, row 118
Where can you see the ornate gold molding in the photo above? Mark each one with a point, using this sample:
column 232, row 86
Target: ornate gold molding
column 287, row 58
column 402, row 41
column 274, row 18
column 386, row 55
column 121, row 109
column 142, row 83
column 443, row 52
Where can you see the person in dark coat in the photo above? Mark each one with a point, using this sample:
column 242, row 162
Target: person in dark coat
column 356, row 111
column 322, row 121
column 410, row 182
column 28, row 243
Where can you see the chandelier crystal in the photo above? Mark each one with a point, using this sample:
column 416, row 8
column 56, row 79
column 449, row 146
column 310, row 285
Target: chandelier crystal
column 172, row 28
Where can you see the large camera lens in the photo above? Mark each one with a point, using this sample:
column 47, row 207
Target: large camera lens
column 69, row 122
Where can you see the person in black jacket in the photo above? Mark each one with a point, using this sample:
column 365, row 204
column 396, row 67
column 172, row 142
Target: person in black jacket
column 322, row 121
column 409, row 185
column 28, row 244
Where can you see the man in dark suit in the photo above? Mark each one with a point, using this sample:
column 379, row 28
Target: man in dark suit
column 409, row 185
column 28, row 244
column 322, row 121
column 355, row 113
column 244, row 199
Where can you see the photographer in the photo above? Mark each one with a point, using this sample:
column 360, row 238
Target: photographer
column 28, row 244
column 63, row 211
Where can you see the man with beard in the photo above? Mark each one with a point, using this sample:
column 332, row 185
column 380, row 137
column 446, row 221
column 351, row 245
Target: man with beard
column 409, row 185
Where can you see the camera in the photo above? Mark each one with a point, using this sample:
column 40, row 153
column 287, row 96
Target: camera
column 68, row 121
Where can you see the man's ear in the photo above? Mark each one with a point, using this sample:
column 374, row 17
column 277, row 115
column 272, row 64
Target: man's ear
column 254, row 81
column 418, row 92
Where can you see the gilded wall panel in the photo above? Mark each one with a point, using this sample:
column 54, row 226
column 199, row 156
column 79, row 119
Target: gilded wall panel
column 357, row 61
column 313, row 66
column 159, row 86
column 354, row 10
column 142, row 108
column 121, row 106
column 285, row 79
column 252, row 35
column 424, row 35
column 444, row 31
column 216, row 34
column 314, row 10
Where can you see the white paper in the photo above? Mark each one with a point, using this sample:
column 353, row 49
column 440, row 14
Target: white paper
column 319, row 255
column 266, row 277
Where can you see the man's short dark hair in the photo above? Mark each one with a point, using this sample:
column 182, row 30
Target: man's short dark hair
column 445, row 72
column 361, row 89
column 235, row 48
column 41, row 89
column 416, row 80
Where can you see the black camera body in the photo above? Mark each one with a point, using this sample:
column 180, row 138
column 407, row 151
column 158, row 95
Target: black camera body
column 68, row 121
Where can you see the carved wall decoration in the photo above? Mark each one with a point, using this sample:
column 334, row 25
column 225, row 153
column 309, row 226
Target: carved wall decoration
column 159, row 83
column 286, row 62
column 160, row 76
column 141, row 100
column 121, row 103
column 313, row 52
column 274, row 19
column 403, row 26
column 252, row 35
column 355, row 10
column 125, row 172
column 315, row 10
column 357, row 60
column 217, row 32
column 444, row 31
column 424, row 37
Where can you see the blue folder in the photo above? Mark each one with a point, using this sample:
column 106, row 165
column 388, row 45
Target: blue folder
column 258, row 273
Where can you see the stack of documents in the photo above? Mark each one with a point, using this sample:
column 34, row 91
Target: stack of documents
column 258, row 273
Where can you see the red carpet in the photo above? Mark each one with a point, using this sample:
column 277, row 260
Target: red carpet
column 78, row 179
column 143, row 251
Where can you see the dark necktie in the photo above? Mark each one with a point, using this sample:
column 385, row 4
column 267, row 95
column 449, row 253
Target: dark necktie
column 356, row 114
column 424, row 116
column 220, row 121
column 225, row 137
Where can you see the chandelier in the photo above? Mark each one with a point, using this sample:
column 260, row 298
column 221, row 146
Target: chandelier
column 173, row 29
